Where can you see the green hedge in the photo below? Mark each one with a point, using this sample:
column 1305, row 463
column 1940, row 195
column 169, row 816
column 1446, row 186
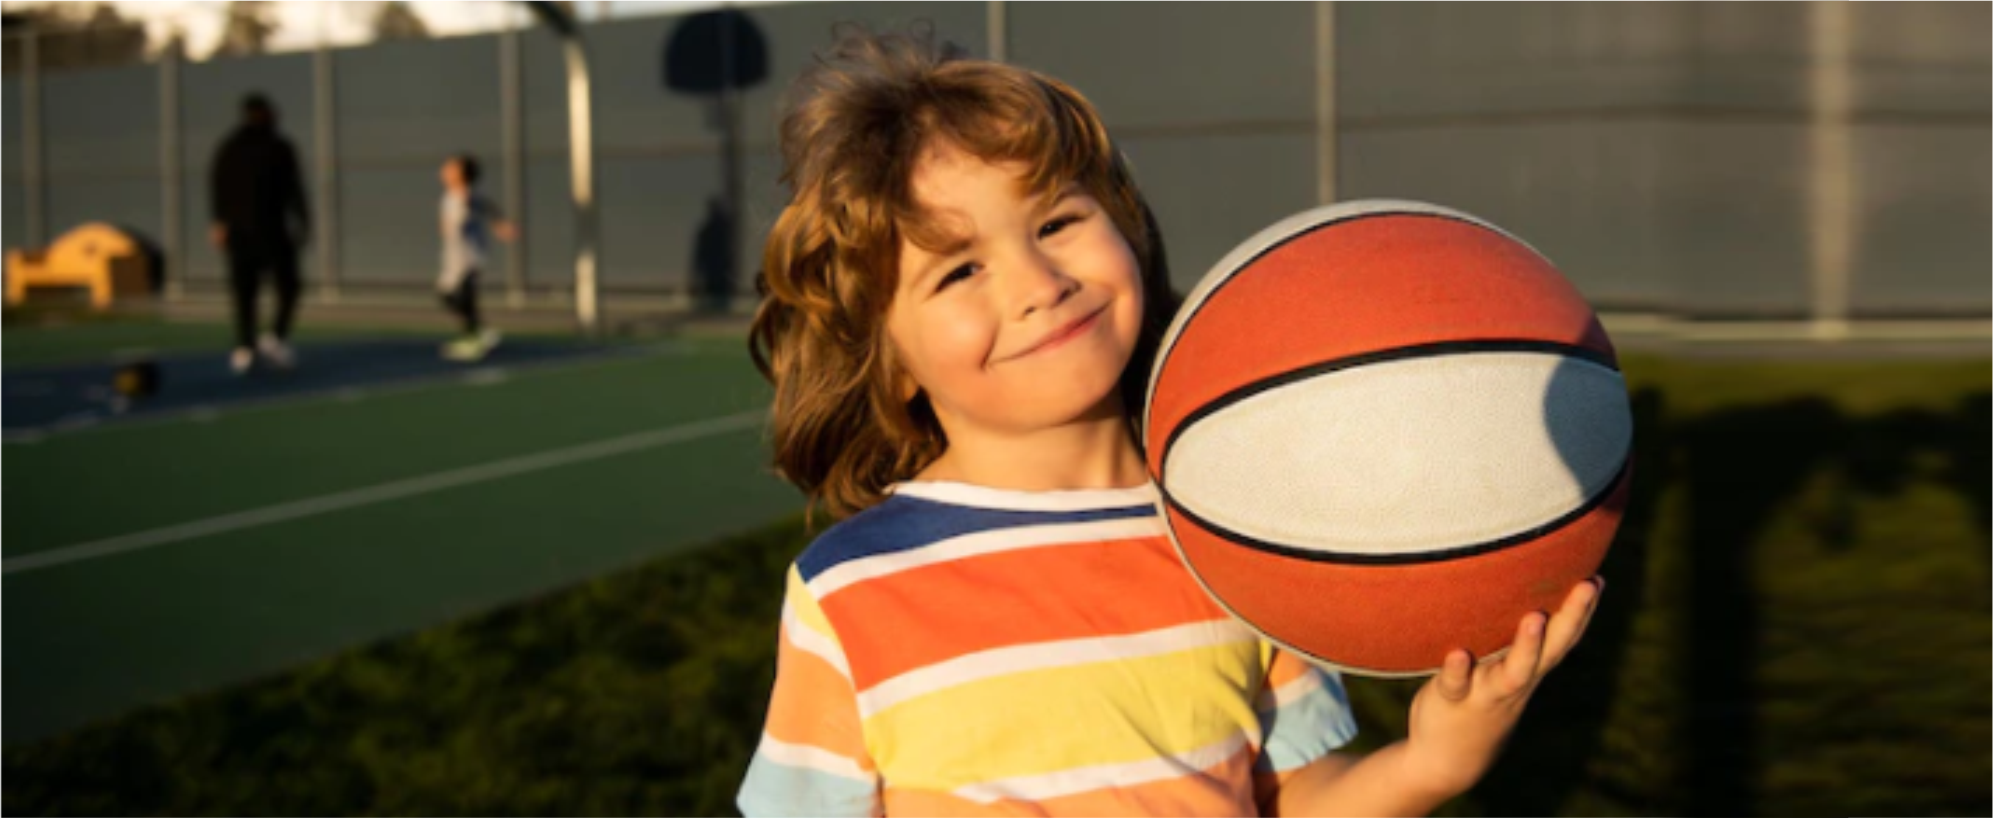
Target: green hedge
column 1797, row 622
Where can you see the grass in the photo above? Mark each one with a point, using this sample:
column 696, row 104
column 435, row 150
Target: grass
column 632, row 694
column 1797, row 622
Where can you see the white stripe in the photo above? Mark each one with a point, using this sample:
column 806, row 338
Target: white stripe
column 982, row 542
column 807, row 640
column 1297, row 687
column 966, row 494
column 399, row 489
column 1101, row 776
column 1042, row 655
column 811, row 758
column 1506, row 443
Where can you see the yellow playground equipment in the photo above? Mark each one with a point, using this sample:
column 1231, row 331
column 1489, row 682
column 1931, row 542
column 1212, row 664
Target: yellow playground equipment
column 108, row 261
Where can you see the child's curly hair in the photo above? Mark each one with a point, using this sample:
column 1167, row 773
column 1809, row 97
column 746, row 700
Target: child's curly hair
column 854, row 127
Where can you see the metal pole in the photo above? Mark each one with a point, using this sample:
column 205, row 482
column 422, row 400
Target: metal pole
column 999, row 31
column 581, row 169
column 1325, row 102
column 513, row 126
column 325, row 164
column 172, row 195
column 581, row 162
column 31, row 140
column 730, row 161
column 1830, row 207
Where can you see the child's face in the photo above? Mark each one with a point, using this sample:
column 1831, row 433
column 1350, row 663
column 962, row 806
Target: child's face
column 1029, row 323
column 450, row 173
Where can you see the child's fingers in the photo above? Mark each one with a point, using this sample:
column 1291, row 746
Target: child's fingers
column 1455, row 679
column 1570, row 622
column 1518, row 669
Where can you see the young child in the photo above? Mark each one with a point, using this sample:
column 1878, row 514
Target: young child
column 961, row 305
column 469, row 221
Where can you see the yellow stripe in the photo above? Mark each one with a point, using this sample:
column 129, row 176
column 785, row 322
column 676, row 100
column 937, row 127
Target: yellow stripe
column 804, row 605
column 1044, row 721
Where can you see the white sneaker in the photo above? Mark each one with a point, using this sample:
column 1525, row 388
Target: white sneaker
column 277, row 352
column 240, row 361
column 489, row 339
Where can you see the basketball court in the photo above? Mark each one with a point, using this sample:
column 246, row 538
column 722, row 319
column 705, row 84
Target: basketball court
column 228, row 528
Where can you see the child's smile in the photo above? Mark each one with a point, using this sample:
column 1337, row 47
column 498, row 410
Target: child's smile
column 1057, row 339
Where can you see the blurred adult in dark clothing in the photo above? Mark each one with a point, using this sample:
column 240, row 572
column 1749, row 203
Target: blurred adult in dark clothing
column 259, row 220
column 713, row 259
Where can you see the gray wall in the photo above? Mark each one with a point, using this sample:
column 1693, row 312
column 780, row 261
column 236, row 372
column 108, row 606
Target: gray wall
column 1660, row 153
column 100, row 149
column 1214, row 104
column 13, row 191
column 402, row 108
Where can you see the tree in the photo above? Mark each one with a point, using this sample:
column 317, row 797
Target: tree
column 397, row 21
column 76, row 35
column 247, row 30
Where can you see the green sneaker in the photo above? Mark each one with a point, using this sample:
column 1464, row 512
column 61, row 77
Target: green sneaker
column 468, row 348
column 472, row 347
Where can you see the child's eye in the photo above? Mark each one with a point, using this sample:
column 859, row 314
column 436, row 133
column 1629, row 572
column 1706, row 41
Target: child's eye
column 1056, row 225
column 958, row 274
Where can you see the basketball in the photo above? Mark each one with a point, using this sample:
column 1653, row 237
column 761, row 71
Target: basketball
column 1384, row 430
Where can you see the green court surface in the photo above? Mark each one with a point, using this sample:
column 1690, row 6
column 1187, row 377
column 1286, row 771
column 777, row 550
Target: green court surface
column 39, row 340
column 153, row 558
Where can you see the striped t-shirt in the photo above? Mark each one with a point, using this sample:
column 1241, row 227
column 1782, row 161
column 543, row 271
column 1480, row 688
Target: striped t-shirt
column 966, row 650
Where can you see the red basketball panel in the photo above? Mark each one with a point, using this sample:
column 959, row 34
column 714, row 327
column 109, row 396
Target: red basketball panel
column 1401, row 619
column 1361, row 286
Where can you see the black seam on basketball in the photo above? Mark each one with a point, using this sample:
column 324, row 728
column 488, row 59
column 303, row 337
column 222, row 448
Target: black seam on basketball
column 1199, row 306
column 1275, row 381
column 1476, row 549
column 1171, row 341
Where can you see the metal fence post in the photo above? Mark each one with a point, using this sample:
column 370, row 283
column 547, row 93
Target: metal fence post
column 173, row 198
column 33, row 182
column 512, row 126
column 1325, row 102
column 1831, row 175
column 325, row 166
column 999, row 31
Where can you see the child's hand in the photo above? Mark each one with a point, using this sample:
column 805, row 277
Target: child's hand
column 1461, row 717
column 505, row 230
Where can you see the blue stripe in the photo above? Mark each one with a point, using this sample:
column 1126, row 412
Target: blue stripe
column 774, row 788
column 904, row 523
column 1307, row 728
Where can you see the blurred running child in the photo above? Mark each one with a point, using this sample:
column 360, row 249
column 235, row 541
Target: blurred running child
column 469, row 222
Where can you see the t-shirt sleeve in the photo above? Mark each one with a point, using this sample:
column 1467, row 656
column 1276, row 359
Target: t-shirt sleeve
column 1303, row 712
column 812, row 758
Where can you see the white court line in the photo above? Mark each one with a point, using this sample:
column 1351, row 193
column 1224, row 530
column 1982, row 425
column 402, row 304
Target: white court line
column 283, row 512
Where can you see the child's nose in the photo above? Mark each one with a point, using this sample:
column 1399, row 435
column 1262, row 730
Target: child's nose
column 1038, row 284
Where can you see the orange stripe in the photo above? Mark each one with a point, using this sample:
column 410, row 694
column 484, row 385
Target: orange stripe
column 1222, row 790
column 1286, row 668
column 814, row 705
column 1266, row 788
column 934, row 613
column 1403, row 618
column 1358, row 287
